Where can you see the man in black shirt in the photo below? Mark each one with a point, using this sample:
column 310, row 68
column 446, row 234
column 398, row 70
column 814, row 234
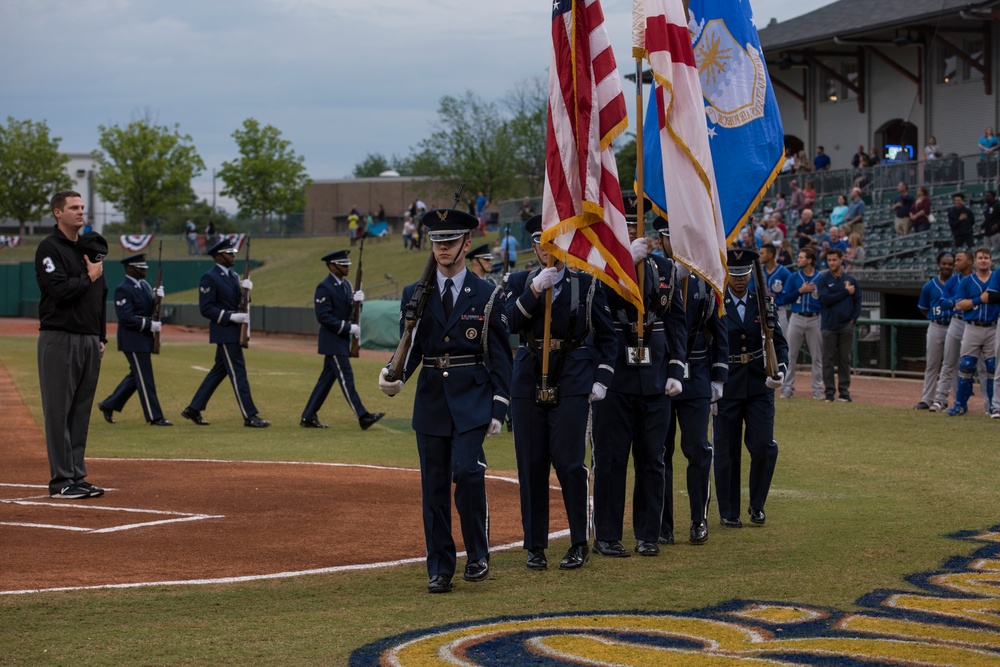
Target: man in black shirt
column 962, row 221
column 72, row 334
column 991, row 222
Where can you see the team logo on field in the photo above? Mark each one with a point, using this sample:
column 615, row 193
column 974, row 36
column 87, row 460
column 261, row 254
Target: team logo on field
column 951, row 619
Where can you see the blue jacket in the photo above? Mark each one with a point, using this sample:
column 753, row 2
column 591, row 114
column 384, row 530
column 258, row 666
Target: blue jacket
column 800, row 303
column 708, row 360
column 930, row 300
column 840, row 307
column 667, row 341
column 593, row 361
column 333, row 301
column 745, row 338
column 461, row 398
column 218, row 299
column 134, row 307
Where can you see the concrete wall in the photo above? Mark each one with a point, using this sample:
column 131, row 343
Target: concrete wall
column 329, row 202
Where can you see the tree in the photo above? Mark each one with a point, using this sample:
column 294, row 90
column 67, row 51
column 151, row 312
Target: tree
column 145, row 169
column 373, row 165
column 626, row 153
column 31, row 170
column 474, row 144
column 268, row 177
column 528, row 102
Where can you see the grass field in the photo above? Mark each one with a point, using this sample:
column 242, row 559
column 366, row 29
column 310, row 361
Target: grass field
column 863, row 495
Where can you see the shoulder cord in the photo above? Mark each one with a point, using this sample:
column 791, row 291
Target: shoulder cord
column 486, row 320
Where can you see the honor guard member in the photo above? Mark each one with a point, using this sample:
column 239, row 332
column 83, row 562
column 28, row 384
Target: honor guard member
column 480, row 261
column 462, row 396
column 550, row 428
column 747, row 398
column 939, row 319
column 636, row 411
column 134, row 303
column 333, row 302
column 707, row 370
column 219, row 301
column 980, row 331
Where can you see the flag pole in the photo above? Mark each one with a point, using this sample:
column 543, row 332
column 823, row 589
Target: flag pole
column 640, row 222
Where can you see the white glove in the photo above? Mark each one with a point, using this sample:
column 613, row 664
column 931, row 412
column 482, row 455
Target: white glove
column 716, row 391
column 246, row 284
column 714, row 409
column 506, row 278
column 494, row 428
column 775, row 382
column 359, row 296
column 598, row 392
column 545, row 279
column 388, row 388
column 356, row 330
column 240, row 318
column 155, row 327
column 640, row 249
column 673, row 387
column 158, row 291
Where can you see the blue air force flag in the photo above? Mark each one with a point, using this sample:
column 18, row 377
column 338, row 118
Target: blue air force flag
column 744, row 124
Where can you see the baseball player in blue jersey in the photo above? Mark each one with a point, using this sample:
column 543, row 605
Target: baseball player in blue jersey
column 939, row 319
column 992, row 297
column 804, row 322
column 979, row 339
column 776, row 276
column 953, row 339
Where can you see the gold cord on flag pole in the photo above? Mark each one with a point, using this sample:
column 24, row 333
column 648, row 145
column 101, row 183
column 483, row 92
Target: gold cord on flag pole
column 547, row 334
column 640, row 222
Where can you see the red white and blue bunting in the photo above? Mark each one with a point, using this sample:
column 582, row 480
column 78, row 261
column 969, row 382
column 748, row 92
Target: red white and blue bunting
column 135, row 242
column 10, row 241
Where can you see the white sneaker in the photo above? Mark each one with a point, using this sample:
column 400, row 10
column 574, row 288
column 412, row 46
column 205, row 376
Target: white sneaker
column 935, row 407
column 995, row 414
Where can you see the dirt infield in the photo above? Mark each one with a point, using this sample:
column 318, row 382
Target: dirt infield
column 206, row 520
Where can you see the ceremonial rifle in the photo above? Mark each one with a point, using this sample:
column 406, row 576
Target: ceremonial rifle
column 245, row 299
column 766, row 308
column 414, row 310
column 157, row 300
column 506, row 256
column 356, row 305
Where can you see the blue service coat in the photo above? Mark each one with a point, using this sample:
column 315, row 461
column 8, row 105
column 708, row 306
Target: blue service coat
column 462, row 398
column 134, row 307
column 218, row 299
column 747, row 379
column 708, row 358
column 333, row 302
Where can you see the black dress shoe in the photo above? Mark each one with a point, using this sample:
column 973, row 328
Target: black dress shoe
column 195, row 416
column 666, row 537
column 109, row 414
column 536, row 560
column 575, row 557
column 253, row 421
column 699, row 533
column 476, row 570
column 611, row 549
column 439, row 583
column 369, row 418
column 161, row 422
column 732, row 522
column 313, row 422
column 647, row 548
column 757, row 516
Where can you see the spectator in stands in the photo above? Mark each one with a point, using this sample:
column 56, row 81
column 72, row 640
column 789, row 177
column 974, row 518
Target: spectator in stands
column 962, row 221
column 988, row 144
column 864, row 177
column 854, row 258
column 920, row 212
column 805, row 229
column 788, row 166
column 822, row 161
column 481, row 203
column 838, row 240
column 526, row 212
column 937, row 329
column 809, row 195
column 802, row 164
column 785, row 253
column 803, row 323
column 380, row 216
column 901, row 206
column 875, row 156
column 840, row 298
column 931, row 150
column 991, row 222
column 839, row 213
column 408, row 230
column 859, row 158
column 772, row 233
column 780, row 205
column 796, row 202
column 767, row 210
column 353, row 220
column 855, row 221
column 821, row 239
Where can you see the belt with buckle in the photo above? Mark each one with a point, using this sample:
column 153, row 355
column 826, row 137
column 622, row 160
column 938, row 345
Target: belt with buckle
column 746, row 357
column 978, row 323
column 942, row 323
column 807, row 314
column 555, row 344
column 448, row 361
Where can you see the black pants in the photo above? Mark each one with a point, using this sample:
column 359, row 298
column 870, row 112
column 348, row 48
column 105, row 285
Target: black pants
column 228, row 363
column 838, row 350
column 139, row 378
column 336, row 368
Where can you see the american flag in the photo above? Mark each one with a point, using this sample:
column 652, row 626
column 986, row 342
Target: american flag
column 583, row 218
column 676, row 126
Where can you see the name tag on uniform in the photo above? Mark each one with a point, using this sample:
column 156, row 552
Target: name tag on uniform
column 638, row 356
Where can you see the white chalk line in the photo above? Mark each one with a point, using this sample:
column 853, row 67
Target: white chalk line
column 276, row 575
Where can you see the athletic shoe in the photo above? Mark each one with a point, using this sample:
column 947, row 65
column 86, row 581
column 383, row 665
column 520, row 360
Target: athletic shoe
column 844, row 399
column 71, row 492
column 94, row 491
column 935, row 407
column 921, row 406
column 818, row 397
column 957, row 411
column 995, row 414
column 785, row 396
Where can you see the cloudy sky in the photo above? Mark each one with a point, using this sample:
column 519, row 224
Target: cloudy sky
column 339, row 78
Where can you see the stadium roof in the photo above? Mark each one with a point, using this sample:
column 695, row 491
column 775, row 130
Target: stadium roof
column 853, row 17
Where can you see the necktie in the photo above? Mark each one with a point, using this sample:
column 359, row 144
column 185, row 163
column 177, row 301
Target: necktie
column 235, row 276
column 447, row 298
column 741, row 309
